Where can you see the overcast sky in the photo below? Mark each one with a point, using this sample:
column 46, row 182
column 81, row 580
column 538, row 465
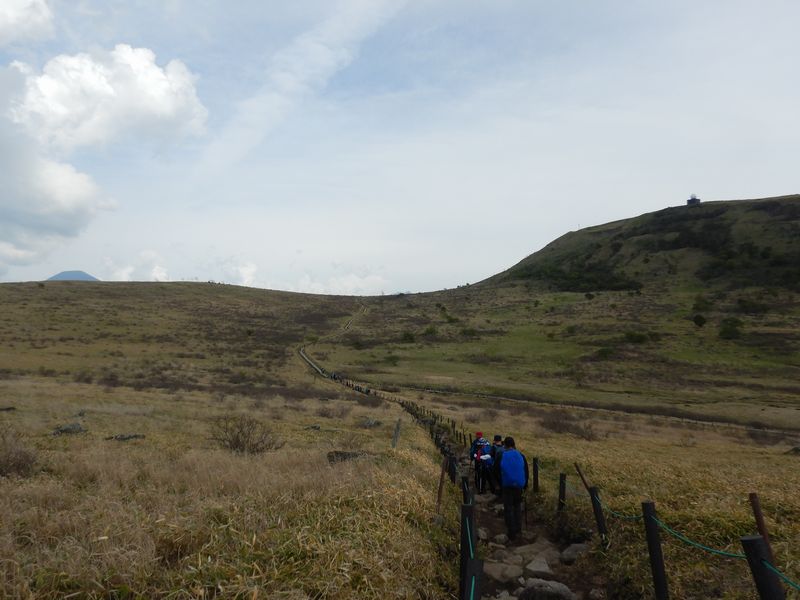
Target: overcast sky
column 368, row 146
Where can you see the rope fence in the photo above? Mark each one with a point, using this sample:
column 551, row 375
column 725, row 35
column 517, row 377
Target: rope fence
column 757, row 551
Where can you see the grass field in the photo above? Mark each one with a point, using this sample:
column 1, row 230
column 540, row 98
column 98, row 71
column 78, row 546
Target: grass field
column 698, row 474
column 692, row 412
column 174, row 514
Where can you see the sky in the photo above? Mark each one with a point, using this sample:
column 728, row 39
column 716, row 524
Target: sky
column 374, row 146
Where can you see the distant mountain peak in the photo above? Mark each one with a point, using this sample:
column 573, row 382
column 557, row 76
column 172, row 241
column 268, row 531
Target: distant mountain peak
column 73, row 276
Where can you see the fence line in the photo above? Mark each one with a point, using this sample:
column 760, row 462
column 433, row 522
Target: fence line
column 757, row 552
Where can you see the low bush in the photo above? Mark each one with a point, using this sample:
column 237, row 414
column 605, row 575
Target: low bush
column 561, row 421
column 333, row 412
column 244, row 435
column 730, row 328
column 15, row 457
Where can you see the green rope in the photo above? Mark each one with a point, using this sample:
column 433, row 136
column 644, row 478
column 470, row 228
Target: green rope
column 472, row 590
column 683, row 538
column 619, row 515
column 788, row 581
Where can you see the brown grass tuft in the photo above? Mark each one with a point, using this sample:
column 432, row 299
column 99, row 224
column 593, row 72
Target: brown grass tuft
column 15, row 457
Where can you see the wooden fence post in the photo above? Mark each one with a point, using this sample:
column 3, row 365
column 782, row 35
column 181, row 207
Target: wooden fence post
column 562, row 492
column 583, row 478
column 536, row 475
column 767, row 583
column 441, row 486
column 597, row 507
column 396, row 435
column 654, row 549
column 761, row 524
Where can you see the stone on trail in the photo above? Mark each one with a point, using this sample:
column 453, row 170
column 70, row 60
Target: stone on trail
column 501, row 572
column 124, row 437
column 69, row 429
column 541, row 548
column 505, row 556
column 597, row 594
column 572, row 552
column 483, row 535
column 501, row 538
column 538, row 568
column 540, row 589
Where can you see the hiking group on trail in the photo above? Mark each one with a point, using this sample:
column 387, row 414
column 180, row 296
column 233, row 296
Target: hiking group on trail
column 505, row 470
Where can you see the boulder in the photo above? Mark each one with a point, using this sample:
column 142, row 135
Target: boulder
column 69, row 429
column 483, row 535
column 501, row 572
column 572, row 552
column 500, row 538
column 540, row 589
column 505, row 556
column 541, row 548
column 538, row 568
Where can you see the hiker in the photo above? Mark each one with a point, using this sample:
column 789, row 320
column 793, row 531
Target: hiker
column 514, row 474
column 495, row 480
column 474, row 452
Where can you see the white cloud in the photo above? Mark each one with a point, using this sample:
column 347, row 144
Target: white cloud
column 247, row 274
column 86, row 99
column 24, row 19
column 42, row 201
column 147, row 266
column 349, row 284
column 303, row 66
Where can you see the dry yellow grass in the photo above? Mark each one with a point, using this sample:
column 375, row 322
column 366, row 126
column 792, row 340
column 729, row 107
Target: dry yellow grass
column 699, row 476
column 174, row 516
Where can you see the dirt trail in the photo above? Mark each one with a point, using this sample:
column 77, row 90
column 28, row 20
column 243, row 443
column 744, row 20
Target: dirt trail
column 534, row 566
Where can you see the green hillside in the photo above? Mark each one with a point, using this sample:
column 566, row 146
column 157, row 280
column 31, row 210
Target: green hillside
column 690, row 311
column 731, row 244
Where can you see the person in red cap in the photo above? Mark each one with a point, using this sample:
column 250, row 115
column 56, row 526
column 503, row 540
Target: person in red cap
column 475, row 451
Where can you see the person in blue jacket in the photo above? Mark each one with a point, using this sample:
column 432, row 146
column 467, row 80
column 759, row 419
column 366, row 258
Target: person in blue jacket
column 514, row 476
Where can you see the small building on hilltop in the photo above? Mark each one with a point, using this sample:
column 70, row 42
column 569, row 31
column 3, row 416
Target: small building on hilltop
column 693, row 201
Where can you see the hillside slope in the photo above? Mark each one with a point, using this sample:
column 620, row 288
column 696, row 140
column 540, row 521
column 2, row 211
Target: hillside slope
column 733, row 244
column 689, row 311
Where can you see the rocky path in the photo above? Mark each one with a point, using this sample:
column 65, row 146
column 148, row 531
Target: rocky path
column 532, row 567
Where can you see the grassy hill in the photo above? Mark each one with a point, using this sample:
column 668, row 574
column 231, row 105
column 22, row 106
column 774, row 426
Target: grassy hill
column 729, row 244
column 689, row 311
column 686, row 312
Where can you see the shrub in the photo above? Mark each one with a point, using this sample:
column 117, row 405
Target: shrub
column 699, row 320
column 730, row 328
column 15, row 458
column 407, row 337
column 333, row 412
column 636, row 337
column 83, row 376
column 371, row 401
column 430, row 331
column 561, row 421
column 701, row 303
column 751, row 307
column 244, row 435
